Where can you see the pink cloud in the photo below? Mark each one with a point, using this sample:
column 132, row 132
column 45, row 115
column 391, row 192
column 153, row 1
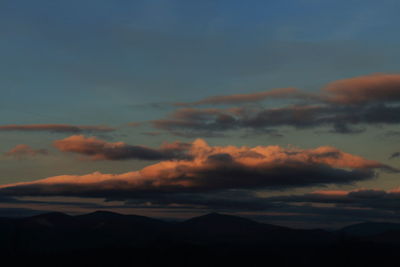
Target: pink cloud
column 243, row 98
column 213, row 168
column 22, row 150
column 345, row 105
column 364, row 89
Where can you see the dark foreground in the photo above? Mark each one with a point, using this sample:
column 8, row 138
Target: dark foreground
column 109, row 239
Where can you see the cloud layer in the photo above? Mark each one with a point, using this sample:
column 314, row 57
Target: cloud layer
column 357, row 198
column 346, row 106
column 212, row 169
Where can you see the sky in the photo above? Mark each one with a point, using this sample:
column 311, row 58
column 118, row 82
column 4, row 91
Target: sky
column 282, row 111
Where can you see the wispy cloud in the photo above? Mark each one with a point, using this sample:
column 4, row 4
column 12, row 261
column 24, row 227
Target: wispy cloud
column 345, row 106
column 56, row 128
column 97, row 149
column 22, row 150
column 243, row 98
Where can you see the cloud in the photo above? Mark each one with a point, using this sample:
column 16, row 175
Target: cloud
column 357, row 90
column 135, row 124
column 190, row 122
column 233, row 200
column 213, row 169
column 56, row 128
column 358, row 199
column 152, row 133
column 320, row 115
column 346, row 106
column 22, row 150
column 395, row 155
column 213, row 122
column 97, row 149
column 392, row 134
column 365, row 89
column 333, row 196
column 243, row 98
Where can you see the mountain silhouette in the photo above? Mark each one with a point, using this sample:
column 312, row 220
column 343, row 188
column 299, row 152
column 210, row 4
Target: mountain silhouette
column 222, row 222
column 370, row 228
column 49, row 220
column 105, row 238
column 221, row 228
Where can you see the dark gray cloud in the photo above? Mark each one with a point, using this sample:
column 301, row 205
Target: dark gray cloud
column 309, row 210
column 213, row 170
column 320, row 208
column 57, row 128
column 221, row 177
column 360, row 198
column 229, row 200
column 395, row 155
column 98, row 149
column 341, row 119
column 346, row 106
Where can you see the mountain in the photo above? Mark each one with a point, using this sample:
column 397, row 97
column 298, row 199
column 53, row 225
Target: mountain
column 222, row 222
column 48, row 220
column 104, row 238
column 374, row 232
column 370, row 228
column 110, row 220
column 215, row 223
column 7, row 233
column 107, row 228
column 220, row 228
column 58, row 231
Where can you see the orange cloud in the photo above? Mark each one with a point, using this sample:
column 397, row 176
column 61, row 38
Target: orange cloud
column 330, row 193
column 22, row 150
column 213, row 168
column 345, row 105
column 357, row 196
column 243, row 98
column 364, row 89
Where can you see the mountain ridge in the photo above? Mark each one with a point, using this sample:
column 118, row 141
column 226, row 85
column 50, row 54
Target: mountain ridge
column 105, row 238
